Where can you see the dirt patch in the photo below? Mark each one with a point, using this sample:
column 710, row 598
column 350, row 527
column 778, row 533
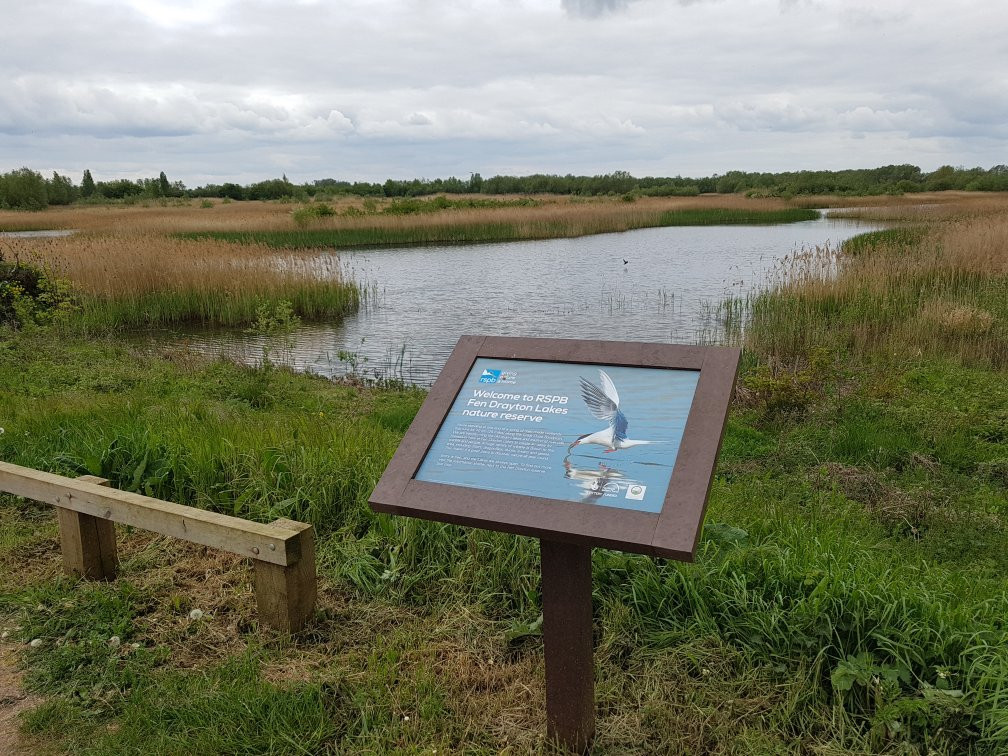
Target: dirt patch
column 13, row 701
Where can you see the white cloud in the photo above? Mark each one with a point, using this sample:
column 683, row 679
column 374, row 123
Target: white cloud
column 235, row 89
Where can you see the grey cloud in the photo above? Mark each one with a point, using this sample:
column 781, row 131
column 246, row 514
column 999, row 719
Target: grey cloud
column 596, row 8
column 258, row 87
column 593, row 8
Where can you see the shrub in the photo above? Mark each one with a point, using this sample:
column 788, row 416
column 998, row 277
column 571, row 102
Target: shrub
column 23, row 189
column 31, row 296
column 305, row 215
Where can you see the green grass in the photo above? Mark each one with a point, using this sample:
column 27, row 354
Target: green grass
column 365, row 237
column 900, row 238
column 849, row 593
column 735, row 217
column 312, row 301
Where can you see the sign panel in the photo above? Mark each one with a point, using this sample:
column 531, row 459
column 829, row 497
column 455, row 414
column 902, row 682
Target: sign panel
column 608, row 444
column 596, row 434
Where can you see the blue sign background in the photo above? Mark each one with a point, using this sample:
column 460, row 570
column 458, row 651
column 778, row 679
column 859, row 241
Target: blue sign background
column 491, row 438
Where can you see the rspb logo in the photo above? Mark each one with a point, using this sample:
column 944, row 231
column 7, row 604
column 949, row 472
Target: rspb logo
column 498, row 376
column 490, row 376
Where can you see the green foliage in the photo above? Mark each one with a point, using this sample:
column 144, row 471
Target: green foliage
column 275, row 323
column 902, row 238
column 414, row 206
column 869, row 631
column 60, row 190
column 731, row 217
column 87, row 188
column 777, row 389
column 308, row 213
column 322, row 299
column 23, row 189
column 78, row 660
column 467, row 233
column 30, row 296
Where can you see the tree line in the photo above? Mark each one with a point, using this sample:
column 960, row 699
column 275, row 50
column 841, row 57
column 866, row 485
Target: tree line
column 25, row 189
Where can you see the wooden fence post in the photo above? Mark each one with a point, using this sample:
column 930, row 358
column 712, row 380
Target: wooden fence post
column 286, row 595
column 88, row 543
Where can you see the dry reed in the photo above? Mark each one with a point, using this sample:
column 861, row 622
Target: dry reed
column 946, row 296
column 592, row 215
column 150, row 279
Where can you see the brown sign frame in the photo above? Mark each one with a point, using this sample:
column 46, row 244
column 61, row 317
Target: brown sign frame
column 672, row 532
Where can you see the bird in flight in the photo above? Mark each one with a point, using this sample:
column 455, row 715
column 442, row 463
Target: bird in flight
column 603, row 402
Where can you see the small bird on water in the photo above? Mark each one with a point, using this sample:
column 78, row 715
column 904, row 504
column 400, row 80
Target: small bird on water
column 625, row 261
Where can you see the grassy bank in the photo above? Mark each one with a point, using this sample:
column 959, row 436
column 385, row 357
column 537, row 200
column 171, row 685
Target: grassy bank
column 937, row 290
column 128, row 281
column 848, row 595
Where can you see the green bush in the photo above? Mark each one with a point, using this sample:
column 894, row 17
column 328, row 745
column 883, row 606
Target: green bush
column 31, row 296
column 23, row 189
column 305, row 215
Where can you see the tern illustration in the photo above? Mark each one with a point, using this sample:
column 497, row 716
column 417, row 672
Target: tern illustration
column 593, row 481
column 603, row 403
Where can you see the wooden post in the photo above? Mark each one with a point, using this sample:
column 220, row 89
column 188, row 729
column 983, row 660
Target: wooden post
column 286, row 595
column 567, row 637
column 88, row 543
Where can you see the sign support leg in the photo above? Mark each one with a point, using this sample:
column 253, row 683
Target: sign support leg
column 567, row 636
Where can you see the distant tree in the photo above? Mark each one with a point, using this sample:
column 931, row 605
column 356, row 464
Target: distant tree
column 87, row 186
column 60, row 190
column 164, row 188
column 23, row 189
column 232, row 190
column 120, row 188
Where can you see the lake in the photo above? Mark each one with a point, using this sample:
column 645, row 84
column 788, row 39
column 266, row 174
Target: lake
column 654, row 284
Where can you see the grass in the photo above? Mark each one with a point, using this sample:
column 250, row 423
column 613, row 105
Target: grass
column 491, row 226
column 851, row 539
column 122, row 281
column 848, row 595
column 935, row 291
column 735, row 217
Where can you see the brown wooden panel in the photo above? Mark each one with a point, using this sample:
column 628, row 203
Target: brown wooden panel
column 672, row 533
column 268, row 543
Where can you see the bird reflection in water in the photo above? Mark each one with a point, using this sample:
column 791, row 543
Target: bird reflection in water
column 594, row 481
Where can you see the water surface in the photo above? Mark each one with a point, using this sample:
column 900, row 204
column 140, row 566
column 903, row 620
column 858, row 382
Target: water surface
column 53, row 233
column 655, row 284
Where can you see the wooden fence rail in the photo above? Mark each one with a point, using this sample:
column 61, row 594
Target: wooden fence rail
column 282, row 552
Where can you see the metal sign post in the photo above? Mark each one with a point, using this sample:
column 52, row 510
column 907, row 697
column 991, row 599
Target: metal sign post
column 579, row 444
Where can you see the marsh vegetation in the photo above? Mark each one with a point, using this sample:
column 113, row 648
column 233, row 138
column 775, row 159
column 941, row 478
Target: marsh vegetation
column 849, row 593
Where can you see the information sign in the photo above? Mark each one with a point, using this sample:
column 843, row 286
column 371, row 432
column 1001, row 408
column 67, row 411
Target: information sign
column 605, row 435
column 606, row 443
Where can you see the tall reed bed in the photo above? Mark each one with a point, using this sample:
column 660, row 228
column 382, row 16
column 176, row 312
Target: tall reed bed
column 595, row 213
column 152, row 280
column 935, row 291
column 501, row 224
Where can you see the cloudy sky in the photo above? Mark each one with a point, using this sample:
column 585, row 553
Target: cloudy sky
column 218, row 90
